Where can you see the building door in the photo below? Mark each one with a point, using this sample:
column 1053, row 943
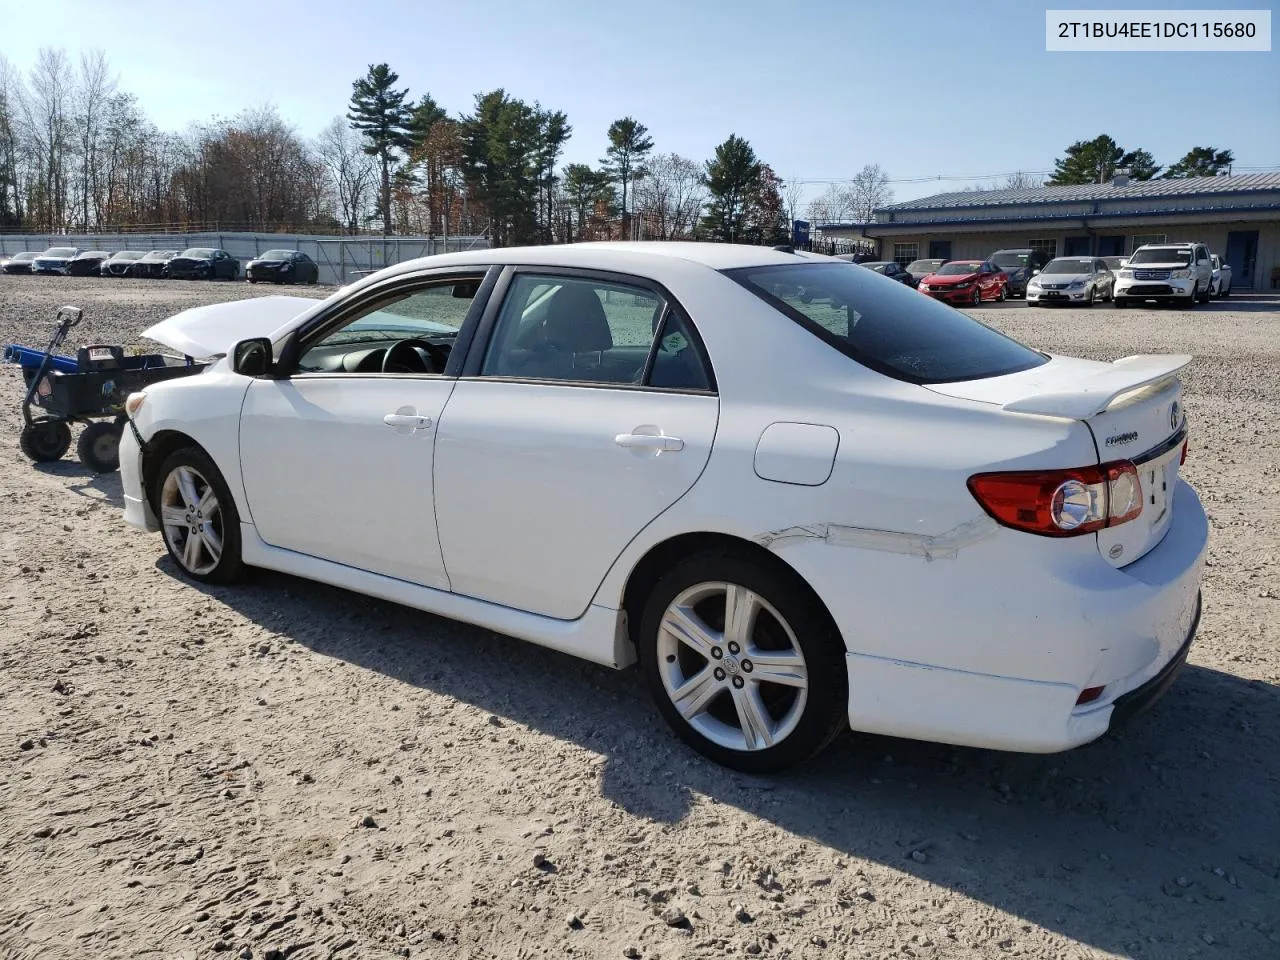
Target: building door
column 1111, row 246
column 939, row 249
column 1242, row 254
column 1077, row 247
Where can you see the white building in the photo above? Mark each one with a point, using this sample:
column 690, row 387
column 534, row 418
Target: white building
column 1238, row 217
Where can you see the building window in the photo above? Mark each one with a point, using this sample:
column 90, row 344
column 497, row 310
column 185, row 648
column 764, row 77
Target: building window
column 1143, row 239
column 1047, row 247
column 904, row 253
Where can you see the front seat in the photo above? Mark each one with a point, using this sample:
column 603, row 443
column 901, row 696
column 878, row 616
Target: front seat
column 575, row 324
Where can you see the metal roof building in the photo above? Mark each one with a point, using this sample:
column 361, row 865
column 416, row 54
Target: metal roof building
column 1237, row 216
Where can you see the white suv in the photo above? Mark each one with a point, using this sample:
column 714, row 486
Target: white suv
column 1177, row 272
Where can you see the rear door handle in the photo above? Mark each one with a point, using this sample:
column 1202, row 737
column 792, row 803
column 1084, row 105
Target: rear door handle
column 407, row 420
column 647, row 441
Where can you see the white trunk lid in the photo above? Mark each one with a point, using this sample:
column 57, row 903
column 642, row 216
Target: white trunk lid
column 1133, row 408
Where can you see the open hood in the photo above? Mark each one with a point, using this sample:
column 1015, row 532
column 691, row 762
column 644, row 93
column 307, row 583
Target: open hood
column 207, row 331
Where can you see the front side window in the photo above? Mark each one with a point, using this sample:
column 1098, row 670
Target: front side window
column 410, row 331
column 591, row 331
column 887, row 327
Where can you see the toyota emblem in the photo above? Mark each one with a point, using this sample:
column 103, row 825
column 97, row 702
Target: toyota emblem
column 1175, row 415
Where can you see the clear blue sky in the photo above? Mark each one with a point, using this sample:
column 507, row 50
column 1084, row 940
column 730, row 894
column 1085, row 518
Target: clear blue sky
column 819, row 87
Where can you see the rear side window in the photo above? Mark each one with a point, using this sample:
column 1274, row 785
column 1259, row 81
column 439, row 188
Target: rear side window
column 887, row 326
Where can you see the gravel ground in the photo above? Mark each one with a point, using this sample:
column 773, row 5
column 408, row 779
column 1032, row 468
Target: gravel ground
column 284, row 769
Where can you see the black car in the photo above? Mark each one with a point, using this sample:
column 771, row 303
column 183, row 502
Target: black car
column 54, row 260
column 204, row 263
column 152, row 265
column 86, row 264
column 919, row 269
column 1021, row 265
column 282, row 266
column 891, row 269
column 19, row 262
column 118, row 264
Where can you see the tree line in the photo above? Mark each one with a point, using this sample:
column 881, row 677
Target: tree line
column 79, row 154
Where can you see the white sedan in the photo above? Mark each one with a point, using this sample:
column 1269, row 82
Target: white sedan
column 803, row 497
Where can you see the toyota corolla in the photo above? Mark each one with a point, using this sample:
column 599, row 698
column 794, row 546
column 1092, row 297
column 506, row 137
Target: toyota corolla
column 800, row 496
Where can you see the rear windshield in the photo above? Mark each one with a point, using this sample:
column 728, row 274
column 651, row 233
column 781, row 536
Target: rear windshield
column 1161, row 255
column 887, row 326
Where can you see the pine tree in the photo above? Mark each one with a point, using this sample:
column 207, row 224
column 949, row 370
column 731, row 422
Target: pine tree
column 1201, row 162
column 732, row 179
column 629, row 144
column 380, row 114
column 1096, row 160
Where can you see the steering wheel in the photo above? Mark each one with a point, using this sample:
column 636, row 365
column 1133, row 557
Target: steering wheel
column 403, row 357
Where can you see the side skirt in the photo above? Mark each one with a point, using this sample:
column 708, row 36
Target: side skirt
column 599, row 635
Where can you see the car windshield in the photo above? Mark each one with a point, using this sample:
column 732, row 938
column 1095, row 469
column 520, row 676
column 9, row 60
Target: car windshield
column 1007, row 258
column 29, row 255
column 128, row 255
column 1068, row 266
column 1161, row 255
column 90, row 254
column 60, row 252
column 887, row 327
column 198, row 253
column 877, row 266
column 959, row 268
column 923, row 266
column 277, row 255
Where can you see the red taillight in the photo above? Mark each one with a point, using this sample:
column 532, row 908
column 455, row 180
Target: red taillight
column 1061, row 503
column 1185, row 443
column 1089, row 694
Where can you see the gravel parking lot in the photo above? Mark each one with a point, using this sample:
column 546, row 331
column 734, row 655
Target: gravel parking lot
column 285, row 769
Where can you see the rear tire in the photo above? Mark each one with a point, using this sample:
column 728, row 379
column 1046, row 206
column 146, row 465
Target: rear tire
column 45, row 440
column 99, row 447
column 715, row 671
column 198, row 517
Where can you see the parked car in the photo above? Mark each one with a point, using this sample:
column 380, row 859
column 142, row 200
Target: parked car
column 87, row 264
column 891, row 269
column 689, row 416
column 1221, row 277
column 966, row 281
column 54, row 260
column 919, row 269
column 153, row 265
column 1115, row 264
column 118, row 264
column 204, row 263
column 1071, row 280
column 282, row 266
column 1180, row 273
column 18, row 262
column 1020, row 265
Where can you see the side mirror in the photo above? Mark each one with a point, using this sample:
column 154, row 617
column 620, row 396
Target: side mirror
column 252, row 358
column 1034, row 272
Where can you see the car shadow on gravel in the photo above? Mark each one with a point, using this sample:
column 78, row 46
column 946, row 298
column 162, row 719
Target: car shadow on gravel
column 104, row 487
column 1167, row 830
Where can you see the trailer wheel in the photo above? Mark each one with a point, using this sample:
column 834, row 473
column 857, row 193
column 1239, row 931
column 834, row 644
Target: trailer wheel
column 99, row 447
column 45, row 440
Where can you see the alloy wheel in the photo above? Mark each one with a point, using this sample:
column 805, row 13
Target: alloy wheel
column 732, row 666
column 192, row 520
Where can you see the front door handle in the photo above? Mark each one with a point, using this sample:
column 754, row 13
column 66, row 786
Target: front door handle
column 648, row 441
column 409, row 421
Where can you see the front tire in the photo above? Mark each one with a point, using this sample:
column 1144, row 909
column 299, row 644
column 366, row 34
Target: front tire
column 742, row 662
column 99, row 447
column 198, row 517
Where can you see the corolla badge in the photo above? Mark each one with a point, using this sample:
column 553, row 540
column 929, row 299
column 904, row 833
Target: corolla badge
column 1117, row 439
column 1175, row 415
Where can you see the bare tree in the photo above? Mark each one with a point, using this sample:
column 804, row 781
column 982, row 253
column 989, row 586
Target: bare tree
column 350, row 169
column 669, row 198
column 91, row 96
column 46, row 123
column 792, row 192
column 869, row 190
column 832, row 205
column 1021, row 180
column 11, row 193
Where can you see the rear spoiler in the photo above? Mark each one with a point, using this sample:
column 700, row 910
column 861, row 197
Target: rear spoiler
column 1094, row 393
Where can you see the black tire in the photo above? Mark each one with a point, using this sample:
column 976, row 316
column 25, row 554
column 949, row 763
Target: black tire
column 1206, row 296
column 224, row 521
column 99, row 446
column 45, row 440
column 1188, row 302
column 1223, row 294
column 1120, row 302
column 1004, row 294
column 1089, row 300
column 976, row 299
column 810, row 719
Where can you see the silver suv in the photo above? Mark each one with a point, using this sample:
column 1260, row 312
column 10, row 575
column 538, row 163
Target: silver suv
column 1180, row 273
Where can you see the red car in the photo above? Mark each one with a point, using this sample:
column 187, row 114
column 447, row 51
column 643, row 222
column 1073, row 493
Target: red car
column 966, row 281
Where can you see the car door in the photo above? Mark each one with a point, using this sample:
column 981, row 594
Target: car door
column 337, row 457
column 572, row 428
